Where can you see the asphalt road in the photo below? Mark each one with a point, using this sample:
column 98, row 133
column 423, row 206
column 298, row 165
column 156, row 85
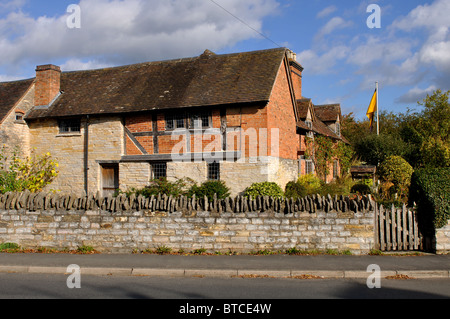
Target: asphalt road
column 54, row 286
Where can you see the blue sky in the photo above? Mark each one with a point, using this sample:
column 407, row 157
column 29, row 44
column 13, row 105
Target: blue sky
column 343, row 58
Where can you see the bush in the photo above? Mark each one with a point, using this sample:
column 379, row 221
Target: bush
column 264, row 189
column 397, row 171
column 210, row 188
column 362, row 189
column 311, row 183
column 295, row 190
column 430, row 190
column 32, row 173
column 163, row 186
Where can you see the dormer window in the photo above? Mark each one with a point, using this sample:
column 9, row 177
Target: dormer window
column 338, row 129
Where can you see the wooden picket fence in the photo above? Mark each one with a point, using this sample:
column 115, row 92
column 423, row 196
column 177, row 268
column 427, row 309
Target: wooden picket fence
column 397, row 229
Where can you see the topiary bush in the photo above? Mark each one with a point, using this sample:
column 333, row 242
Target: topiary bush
column 430, row 190
column 264, row 189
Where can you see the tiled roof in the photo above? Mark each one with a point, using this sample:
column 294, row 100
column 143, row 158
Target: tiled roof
column 206, row 80
column 320, row 114
column 328, row 113
column 10, row 94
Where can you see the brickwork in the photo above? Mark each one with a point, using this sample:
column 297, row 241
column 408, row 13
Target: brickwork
column 47, row 84
column 281, row 116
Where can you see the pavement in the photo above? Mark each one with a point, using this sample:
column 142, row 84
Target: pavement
column 277, row 266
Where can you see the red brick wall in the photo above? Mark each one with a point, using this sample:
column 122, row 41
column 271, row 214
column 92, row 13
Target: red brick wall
column 281, row 116
column 140, row 123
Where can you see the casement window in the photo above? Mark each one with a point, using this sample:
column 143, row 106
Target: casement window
column 214, row 171
column 175, row 120
column 200, row 119
column 188, row 120
column 309, row 167
column 338, row 129
column 70, row 126
column 335, row 169
column 159, row 170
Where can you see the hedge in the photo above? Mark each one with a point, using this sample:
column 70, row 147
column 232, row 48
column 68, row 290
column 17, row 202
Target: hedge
column 430, row 190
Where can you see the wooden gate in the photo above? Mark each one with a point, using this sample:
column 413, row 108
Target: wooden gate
column 397, row 229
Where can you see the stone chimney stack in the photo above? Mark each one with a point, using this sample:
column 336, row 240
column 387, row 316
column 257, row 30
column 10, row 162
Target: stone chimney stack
column 47, row 88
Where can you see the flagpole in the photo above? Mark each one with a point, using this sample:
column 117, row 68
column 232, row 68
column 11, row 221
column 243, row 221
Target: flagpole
column 378, row 107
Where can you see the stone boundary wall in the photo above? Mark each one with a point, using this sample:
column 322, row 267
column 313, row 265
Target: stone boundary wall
column 124, row 225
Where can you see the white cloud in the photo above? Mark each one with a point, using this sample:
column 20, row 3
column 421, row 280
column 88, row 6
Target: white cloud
column 326, row 11
column 334, row 24
column 322, row 64
column 127, row 31
column 416, row 94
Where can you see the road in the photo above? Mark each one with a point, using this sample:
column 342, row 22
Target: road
column 46, row 286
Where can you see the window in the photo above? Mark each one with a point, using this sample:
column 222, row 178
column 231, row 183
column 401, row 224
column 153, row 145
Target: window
column 309, row 167
column 204, row 117
column 184, row 120
column 174, row 121
column 19, row 116
column 338, row 129
column 335, row 169
column 214, row 171
column 159, row 170
column 308, row 124
column 69, row 126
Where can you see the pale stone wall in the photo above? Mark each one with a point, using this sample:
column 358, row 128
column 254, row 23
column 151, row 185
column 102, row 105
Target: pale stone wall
column 197, row 171
column 128, row 231
column 443, row 239
column 134, row 175
column 105, row 144
column 16, row 133
column 243, row 173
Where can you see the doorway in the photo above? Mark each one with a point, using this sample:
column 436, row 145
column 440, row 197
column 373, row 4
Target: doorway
column 110, row 179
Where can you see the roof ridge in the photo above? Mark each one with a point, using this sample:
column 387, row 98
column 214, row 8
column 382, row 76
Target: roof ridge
column 194, row 58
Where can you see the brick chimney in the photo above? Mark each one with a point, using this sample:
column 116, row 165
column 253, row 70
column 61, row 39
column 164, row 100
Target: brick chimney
column 47, row 86
column 296, row 73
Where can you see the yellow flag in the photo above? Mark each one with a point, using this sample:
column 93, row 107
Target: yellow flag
column 372, row 109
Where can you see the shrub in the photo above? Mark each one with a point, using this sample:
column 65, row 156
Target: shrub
column 264, row 189
column 397, row 171
column 430, row 190
column 295, row 190
column 210, row 188
column 311, row 183
column 33, row 173
column 163, row 186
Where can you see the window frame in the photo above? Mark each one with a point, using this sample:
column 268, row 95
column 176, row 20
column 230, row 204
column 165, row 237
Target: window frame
column 156, row 168
column 213, row 171
column 69, row 126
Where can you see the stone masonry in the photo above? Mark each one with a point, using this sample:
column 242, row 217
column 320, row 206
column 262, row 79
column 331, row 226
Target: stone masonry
column 126, row 224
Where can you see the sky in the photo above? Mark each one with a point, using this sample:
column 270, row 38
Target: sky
column 343, row 55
